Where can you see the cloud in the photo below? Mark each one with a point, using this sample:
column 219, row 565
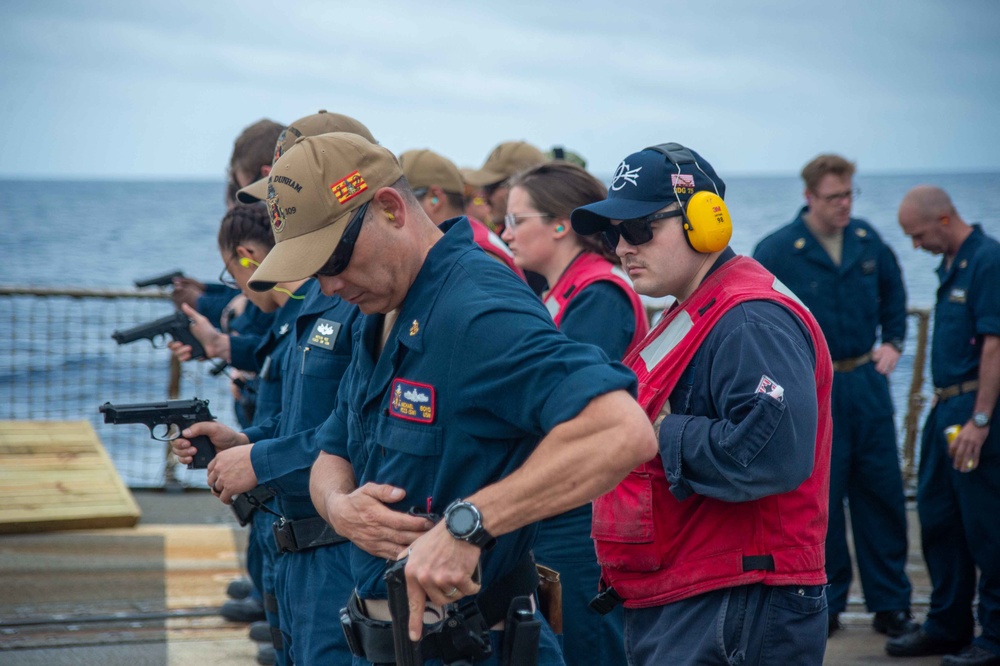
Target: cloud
column 117, row 88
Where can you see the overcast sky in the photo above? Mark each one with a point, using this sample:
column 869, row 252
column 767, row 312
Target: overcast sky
column 141, row 89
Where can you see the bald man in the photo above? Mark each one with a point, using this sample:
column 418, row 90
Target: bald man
column 958, row 495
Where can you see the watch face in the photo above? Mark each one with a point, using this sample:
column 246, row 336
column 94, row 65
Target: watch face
column 980, row 419
column 462, row 520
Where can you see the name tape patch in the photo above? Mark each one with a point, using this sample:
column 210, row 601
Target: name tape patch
column 324, row 333
column 412, row 401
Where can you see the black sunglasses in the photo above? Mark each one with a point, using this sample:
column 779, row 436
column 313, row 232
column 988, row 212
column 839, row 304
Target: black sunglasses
column 345, row 248
column 636, row 231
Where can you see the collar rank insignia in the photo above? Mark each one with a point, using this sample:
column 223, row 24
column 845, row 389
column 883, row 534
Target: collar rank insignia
column 414, row 328
column 349, row 187
column 800, row 243
column 957, row 295
column 324, row 333
column 861, row 233
column 963, row 263
column 284, row 329
column 412, row 401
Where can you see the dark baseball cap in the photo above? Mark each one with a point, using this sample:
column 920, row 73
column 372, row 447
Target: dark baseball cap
column 646, row 182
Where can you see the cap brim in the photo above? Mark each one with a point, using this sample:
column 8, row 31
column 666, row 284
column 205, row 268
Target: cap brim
column 254, row 192
column 483, row 177
column 596, row 217
column 300, row 257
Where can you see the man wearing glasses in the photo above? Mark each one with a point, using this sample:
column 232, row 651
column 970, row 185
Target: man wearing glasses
column 851, row 282
column 457, row 377
column 715, row 546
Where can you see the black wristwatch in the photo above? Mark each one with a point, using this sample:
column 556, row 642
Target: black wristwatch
column 980, row 419
column 464, row 522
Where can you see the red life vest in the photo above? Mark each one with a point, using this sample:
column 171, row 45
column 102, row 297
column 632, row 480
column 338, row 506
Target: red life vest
column 492, row 244
column 654, row 549
column 586, row 269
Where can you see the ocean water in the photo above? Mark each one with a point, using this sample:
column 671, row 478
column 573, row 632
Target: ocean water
column 104, row 234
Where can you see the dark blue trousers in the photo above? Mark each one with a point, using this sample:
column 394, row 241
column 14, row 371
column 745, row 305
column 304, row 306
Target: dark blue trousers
column 564, row 544
column 750, row 625
column 262, row 553
column 313, row 585
column 864, row 471
column 960, row 530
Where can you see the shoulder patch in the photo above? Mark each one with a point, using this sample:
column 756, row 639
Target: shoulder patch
column 768, row 386
column 324, row 333
column 412, row 401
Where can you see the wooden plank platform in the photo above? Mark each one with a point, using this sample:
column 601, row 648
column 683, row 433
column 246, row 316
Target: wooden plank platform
column 56, row 475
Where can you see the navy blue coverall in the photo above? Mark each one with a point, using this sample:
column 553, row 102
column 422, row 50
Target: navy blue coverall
column 852, row 302
column 273, row 345
column 473, row 374
column 310, row 585
column 601, row 314
column 959, row 511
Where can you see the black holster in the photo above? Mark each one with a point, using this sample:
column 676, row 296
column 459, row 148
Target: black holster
column 293, row 536
column 521, row 634
column 246, row 503
column 462, row 636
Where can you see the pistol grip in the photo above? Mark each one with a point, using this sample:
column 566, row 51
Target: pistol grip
column 205, row 453
column 197, row 351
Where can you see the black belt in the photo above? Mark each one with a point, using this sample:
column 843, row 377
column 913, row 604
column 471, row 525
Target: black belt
column 246, row 503
column 956, row 390
column 608, row 598
column 372, row 639
column 294, row 536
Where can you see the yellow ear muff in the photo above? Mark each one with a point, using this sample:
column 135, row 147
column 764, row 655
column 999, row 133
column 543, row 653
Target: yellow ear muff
column 707, row 222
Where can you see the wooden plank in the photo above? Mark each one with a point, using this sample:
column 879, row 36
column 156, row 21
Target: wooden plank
column 56, row 475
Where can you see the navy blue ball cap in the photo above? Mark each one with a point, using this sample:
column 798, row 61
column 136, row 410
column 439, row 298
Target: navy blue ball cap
column 647, row 181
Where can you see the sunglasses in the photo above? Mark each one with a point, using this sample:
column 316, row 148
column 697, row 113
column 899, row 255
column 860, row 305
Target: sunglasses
column 636, row 231
column 345, row 248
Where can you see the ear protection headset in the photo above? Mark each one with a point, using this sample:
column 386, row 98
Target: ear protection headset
column 707, row 224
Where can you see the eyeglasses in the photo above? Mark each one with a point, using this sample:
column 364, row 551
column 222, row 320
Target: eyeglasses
column 510, row 221
column 636, row 231
column 345, row 248
column 226, row 278
column 837, row 196
column 421, row 192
